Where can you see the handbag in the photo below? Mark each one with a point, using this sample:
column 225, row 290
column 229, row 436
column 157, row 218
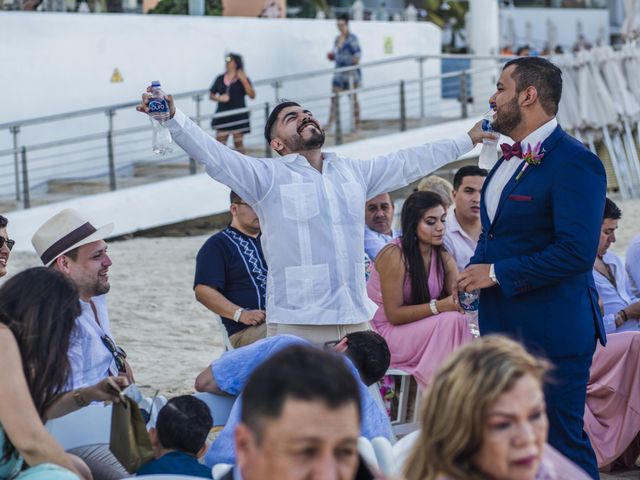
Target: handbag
column 129, row 441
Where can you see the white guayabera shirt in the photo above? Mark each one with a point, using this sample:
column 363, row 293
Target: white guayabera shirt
column 313, row 223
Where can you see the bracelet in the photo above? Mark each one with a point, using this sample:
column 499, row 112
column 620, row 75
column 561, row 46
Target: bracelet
column 624, row 315
column 79, row 399
column 434, row 307
column 236, row 315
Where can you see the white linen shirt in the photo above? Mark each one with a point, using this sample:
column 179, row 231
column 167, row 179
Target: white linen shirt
column 460, row 245
column 508, row 168
column 616, row 298
column 313, row 223
column 89, row 359
column 374, row 241
column 632, row 263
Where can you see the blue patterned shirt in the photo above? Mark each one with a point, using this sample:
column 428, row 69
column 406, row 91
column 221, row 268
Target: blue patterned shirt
column 233, row 263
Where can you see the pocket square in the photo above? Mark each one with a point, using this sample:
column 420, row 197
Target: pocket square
column 521, row 198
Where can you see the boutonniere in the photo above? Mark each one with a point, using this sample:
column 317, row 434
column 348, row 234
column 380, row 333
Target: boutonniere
column 531, row 156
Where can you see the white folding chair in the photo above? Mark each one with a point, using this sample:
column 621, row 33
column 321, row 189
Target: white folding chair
column 219, row 405
column 402, row 424
column 223, row 331
column 88, row 426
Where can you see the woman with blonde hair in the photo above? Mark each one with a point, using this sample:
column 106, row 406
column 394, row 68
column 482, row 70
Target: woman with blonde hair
column 484, row 418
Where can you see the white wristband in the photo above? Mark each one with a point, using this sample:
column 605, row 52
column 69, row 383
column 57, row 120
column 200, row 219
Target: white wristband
column 236, row 315
column 434, row 307
column 492, row 274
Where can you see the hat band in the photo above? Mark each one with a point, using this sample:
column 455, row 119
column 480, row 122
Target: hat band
column 70, row 239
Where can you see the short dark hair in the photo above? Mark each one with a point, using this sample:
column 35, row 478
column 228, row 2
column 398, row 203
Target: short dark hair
column 467, row 171
column 301, row 373
column 237, row 59
column 72, row 254
column 370, row 354
column 273, row 116
column 543, row 75
column 611, row 210
column 3, row 221
column 234, row 197
column 344, row 17
column 183, row 424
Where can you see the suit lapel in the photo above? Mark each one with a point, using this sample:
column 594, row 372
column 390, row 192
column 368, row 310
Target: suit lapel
column 548, row 145
column 484, row 216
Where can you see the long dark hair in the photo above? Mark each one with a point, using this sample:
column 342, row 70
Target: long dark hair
column 39, row 305
column 412, row 212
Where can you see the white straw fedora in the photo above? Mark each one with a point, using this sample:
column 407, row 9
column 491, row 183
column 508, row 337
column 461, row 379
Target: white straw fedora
column 64, row 232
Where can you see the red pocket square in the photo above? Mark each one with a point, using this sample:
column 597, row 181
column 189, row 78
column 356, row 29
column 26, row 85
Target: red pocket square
column 521, row 198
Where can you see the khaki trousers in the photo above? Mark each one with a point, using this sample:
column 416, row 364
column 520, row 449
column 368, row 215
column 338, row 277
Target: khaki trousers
column 317, row 334
column 248, row 335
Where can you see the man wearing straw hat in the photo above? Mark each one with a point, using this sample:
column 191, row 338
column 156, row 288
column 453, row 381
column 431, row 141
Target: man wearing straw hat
column 69, row 243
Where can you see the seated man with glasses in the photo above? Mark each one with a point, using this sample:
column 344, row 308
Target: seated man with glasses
column 69, row 243
column 366, row 354
column 231, row 276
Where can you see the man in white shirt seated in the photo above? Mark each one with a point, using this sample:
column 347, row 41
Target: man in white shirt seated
column 310, row 205
column 69, row 243
column 378, row 218
column 632, row 263
column 463, row 225
column 621, row 308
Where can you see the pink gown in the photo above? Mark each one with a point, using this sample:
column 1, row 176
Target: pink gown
column 612, row 413
column 419, row 347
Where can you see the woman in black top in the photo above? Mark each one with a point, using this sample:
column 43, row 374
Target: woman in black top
column 229, row 90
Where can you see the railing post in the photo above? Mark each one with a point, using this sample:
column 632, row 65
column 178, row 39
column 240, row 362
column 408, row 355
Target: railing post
column 267, row 145
column 16, row 160
column 421, row 83
column 276, row 90
column 192, row 162
column 338, row 119
column 403, row 108
column 110, row 152
column 25, row 180
column 464, row 112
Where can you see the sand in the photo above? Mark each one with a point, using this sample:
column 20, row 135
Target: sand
column 170, row 337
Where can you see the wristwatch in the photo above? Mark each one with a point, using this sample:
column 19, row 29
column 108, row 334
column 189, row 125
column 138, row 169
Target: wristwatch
column 237, row 313
column 434, row 307
column 492, row 274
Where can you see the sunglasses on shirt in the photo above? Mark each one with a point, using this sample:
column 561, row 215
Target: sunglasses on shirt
column 118, row 353
column 7, row 241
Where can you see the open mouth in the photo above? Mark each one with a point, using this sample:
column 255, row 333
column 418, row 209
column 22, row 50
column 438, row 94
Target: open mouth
column 3, row 260
column 306, row 124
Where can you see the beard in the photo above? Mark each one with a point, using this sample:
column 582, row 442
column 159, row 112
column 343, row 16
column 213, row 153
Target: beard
column 508, row 119
column 296, row 143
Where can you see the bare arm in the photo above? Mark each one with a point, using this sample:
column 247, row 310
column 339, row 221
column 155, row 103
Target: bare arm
column 218, row 303
column 248, row 88
column 206, row 383
column 391, row 269
column 18, row 414
column 450, row 272
column 107, row 390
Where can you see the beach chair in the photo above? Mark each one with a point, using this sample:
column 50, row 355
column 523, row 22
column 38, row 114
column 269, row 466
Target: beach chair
column 219, row 405
column 402, row 424
column 88, row 426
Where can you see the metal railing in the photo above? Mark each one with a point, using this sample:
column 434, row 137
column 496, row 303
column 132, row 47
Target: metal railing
column 35, row 171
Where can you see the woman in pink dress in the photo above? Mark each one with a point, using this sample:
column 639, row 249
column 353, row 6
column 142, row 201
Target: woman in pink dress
column 411, row 282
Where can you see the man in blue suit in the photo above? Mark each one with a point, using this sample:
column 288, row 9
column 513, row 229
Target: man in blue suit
column 541, row 211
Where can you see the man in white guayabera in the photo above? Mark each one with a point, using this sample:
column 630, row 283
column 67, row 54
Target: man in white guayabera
column 311, row 209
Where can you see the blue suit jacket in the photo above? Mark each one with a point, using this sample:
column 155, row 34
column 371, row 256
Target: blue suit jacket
column 543, row 242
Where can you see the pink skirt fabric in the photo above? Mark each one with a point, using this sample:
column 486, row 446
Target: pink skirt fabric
column 612, row 413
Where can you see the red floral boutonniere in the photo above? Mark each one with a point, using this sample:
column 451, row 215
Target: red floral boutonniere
column 531, row 156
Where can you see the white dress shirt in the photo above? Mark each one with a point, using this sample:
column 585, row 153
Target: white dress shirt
column 633, row 266
column 508, row 168
column 89, row 359
column 460, row 245
column 313, row 223
column 615, row 298
column 374, row 241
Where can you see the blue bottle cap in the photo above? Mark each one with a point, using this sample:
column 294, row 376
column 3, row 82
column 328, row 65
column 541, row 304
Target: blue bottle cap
column 155, row 83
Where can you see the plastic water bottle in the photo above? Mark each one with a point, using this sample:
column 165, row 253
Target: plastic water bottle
column 489, row 153
column 469, row 301
column 159, row 114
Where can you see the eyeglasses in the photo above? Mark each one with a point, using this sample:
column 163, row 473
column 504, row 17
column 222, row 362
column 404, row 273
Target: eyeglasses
column 10, row 243
column 118, row 353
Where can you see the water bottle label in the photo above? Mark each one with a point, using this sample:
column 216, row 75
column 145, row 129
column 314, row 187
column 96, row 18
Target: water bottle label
column 158, row 105
column 486, row 125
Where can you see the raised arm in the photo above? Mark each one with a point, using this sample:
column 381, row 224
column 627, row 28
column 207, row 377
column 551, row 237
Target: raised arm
column 249, row 177
column 395, row 170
